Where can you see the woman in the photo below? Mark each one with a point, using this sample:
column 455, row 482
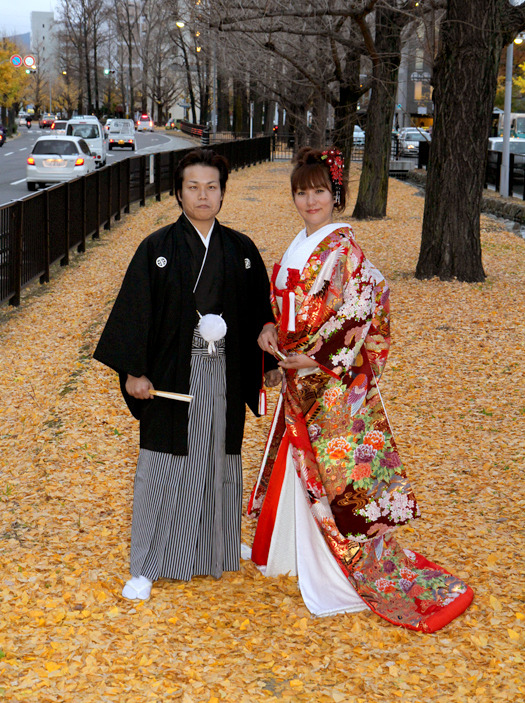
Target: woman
column 331, row 473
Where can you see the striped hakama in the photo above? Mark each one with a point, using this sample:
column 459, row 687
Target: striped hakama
column 187, row 509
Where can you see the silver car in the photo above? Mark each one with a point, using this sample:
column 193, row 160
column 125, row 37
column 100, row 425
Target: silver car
column 145, row 124
column 57, row 158
column 410, row 139
column 121, row 134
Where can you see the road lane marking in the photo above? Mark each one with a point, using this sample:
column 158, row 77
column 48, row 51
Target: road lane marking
column 24, row 149
column 9, row 153
column 15, row 183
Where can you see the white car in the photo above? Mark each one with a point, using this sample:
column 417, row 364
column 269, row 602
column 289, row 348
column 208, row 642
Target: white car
column 145, row 124
column 56, row 159
column 516, row 145
column 121, row 134
column 89, row 128
column 59, row 127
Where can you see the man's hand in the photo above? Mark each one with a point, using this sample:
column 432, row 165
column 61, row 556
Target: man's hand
column 139, row 387
column 273, row 378
column 267, row 340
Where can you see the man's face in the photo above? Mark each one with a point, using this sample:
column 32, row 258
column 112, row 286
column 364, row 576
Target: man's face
column 201, row 193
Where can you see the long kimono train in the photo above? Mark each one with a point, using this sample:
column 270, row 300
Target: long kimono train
column 331, row 475
column 187, row 509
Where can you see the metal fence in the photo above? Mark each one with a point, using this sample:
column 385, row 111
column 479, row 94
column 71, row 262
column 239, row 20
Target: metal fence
column 284, row 148
column 516, row 173
column 43, row 228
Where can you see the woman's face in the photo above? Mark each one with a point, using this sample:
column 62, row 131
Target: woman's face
column 315, row 205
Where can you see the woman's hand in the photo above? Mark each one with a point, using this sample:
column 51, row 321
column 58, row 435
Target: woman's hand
column 267, row 340
column 298, row 361
column 273, row 378
column 139, row 387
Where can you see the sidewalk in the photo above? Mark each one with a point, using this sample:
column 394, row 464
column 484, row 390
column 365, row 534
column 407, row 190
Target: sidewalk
column 454, row 389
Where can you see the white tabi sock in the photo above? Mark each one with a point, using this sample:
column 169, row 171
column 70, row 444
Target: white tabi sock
column 137, row 588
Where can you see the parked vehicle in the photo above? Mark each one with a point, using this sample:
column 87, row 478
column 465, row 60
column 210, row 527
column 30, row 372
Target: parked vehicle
column 89, row 128
column 3, row 134
column 410, row 139
column 46, row 120
column 145, row 124
column 58, row 158
column 517, row 124
column 516, row 145
column 121, row 134
column 59, row 126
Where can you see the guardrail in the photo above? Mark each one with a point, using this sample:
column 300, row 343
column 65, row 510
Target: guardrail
column 43, row 228
column 516, row 173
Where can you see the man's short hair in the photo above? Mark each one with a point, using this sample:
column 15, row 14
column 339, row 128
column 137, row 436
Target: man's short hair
column 201, row 157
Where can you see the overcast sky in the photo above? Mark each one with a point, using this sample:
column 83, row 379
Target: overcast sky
column 15, row 15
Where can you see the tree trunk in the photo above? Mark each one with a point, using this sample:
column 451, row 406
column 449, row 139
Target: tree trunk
column 318, row 130
column 373, row 184
column 87, row 68
column 95, row 65
column 465, row 77
column 240, row 107
column 129, row 45
column 345, row 110
column 223, row 103
column 345, row 117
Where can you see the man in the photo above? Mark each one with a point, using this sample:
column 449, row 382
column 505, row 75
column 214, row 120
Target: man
column 188, row 486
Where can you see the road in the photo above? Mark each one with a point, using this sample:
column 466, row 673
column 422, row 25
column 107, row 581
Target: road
column 14, row 153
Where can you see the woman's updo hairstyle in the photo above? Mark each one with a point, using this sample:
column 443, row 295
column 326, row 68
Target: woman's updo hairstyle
column 312, row 170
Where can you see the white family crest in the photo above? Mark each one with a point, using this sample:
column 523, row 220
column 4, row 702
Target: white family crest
column 247, row 263
column 161, row 262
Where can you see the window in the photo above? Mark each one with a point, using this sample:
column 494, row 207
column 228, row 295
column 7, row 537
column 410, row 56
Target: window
column 86, row 131
column 56, row 147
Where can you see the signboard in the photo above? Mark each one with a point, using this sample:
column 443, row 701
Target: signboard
column 29, row 61
column 420, row 76
column 16, row 60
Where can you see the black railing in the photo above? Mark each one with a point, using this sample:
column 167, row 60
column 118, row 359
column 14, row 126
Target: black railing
column 43, row 228
column 516, row 173
column 284, row 147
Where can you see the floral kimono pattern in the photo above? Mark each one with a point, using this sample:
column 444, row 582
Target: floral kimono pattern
column 341, row 441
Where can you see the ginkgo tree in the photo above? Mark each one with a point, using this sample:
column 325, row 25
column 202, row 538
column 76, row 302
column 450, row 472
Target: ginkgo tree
column 14, row 82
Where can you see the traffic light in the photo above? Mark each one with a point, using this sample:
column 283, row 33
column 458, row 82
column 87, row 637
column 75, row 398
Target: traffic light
column 30, row 70
column 107, row 71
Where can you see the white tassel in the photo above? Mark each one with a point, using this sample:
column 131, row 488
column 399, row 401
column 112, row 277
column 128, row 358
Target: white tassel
column 291, row 315
column 262, row 402
column 212, row 328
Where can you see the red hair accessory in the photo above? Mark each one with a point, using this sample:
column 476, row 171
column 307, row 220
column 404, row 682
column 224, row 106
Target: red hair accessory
column 335, row 161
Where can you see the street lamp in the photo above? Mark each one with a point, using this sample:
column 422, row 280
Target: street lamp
column 505, row 155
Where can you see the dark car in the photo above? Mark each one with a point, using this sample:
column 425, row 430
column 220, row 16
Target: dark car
column 3, row 134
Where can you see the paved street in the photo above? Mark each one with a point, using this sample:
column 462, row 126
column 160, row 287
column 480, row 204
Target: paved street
column 14, row 153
